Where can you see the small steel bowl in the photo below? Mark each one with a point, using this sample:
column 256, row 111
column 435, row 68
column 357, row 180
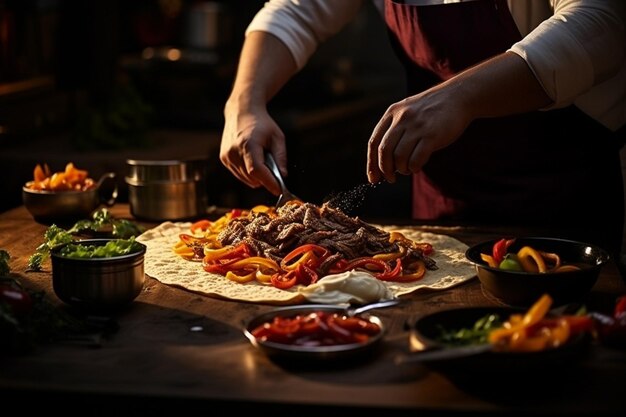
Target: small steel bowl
column 522, row 289
column 287, row 353
column 98, row 284
column 66, row 207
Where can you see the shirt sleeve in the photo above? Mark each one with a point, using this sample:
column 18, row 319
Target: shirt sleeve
column 303, row 25
column 580, row 46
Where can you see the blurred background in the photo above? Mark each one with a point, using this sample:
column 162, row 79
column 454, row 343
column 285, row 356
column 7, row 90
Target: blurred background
column 102, row 81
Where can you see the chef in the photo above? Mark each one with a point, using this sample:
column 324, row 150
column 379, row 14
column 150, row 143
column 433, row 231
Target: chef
column 504, row 122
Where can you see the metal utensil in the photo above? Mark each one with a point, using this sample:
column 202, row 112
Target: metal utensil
column 353, row 311
column 285, row 195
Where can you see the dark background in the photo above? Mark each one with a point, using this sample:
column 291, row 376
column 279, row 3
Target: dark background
column 90, row 82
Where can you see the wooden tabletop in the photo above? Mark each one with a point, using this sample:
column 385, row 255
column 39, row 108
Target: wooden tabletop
column 177, row 348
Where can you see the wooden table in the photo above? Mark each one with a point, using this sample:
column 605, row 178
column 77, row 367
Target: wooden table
column 155, row 361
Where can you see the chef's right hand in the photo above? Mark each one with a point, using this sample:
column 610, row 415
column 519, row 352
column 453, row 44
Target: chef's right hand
column 247, row 134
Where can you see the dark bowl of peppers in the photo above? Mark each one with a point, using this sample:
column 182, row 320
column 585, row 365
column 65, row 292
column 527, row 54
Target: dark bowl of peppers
column 518, row 270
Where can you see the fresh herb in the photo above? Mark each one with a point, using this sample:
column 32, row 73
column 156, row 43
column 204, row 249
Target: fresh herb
column 112, row 248
column 5, row 269
column 101, row 221
column 475, row 335
column 53, row 236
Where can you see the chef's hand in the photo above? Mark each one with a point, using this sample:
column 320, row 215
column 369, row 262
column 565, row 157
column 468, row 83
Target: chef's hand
column 246, row 135
column 412, row 129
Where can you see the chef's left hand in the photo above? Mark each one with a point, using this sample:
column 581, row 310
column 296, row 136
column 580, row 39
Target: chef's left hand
column 412, row 129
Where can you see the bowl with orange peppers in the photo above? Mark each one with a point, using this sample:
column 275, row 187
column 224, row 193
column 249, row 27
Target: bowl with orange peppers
column 68, row 195
column 518, row 270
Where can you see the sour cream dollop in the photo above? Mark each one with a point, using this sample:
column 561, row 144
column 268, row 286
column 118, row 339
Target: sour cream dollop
column 353, row 287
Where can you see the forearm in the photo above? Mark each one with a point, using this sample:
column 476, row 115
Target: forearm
column 501, row 86
column 265, row 65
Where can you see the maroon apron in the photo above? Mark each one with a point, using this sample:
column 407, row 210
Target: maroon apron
column 559, row 169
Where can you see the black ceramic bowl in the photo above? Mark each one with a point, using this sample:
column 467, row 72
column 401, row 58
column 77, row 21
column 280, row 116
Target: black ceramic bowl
column 312, row 354
column 523, row 288
column 481, row 358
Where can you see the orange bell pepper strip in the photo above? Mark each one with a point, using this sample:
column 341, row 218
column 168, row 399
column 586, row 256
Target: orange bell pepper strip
column 489, row 260
column 531, row 260
column 419, row 270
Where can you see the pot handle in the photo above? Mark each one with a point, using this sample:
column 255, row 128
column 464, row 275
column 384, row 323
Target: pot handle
column 108, row 200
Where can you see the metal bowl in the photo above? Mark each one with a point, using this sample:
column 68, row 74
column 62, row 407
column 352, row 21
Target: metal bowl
column 98, row 284
column 523, row 288
column 304, row 354
column 167, row 190
column 68, row 206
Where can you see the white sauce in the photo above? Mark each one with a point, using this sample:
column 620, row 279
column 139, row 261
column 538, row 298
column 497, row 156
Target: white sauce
column 353, row 287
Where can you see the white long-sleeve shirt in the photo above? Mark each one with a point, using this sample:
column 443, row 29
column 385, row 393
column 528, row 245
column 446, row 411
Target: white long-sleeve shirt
column 575, row 48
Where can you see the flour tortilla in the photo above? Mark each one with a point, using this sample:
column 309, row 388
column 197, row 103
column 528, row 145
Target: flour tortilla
column 162, row 264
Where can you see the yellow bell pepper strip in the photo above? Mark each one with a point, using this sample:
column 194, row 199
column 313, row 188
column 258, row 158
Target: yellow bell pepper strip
column 196, row 244
column 412, row 272
column 242, row 279
column 552, row 260
column 534, row 314
column 310, row 254
column 545, row 334
column 392, row 255
column 181, row 249
column 531, row 260
column 247, row 269
column 489, row 260
column 500, row 248
column 241, row 250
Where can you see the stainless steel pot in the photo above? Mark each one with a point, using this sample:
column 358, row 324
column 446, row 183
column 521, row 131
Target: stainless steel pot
column 167, row 190
column 208, row 25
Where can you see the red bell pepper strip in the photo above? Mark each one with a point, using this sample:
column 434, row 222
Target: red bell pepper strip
column 500, row 248
column 620, row 307
column 201, row 225
column 391, row 274
column 284, row 280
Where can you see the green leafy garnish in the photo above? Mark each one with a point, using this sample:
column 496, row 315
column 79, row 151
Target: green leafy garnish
column 112, row 248
column 5, row 269
column 53, row 236
column 101, row 220
column 475, row 335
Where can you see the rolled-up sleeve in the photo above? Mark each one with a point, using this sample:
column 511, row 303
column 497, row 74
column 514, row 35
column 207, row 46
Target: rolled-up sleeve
column 580, row 46
column 303, row 25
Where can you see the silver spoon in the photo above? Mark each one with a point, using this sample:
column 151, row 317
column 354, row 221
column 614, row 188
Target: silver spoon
column 285, row 195
column 353, row 311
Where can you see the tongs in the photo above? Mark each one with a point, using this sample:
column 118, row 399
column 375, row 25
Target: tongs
column 285, row 195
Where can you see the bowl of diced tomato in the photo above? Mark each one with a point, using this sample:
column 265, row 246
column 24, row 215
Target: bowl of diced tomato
column 314, row 333
column 518, row 270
